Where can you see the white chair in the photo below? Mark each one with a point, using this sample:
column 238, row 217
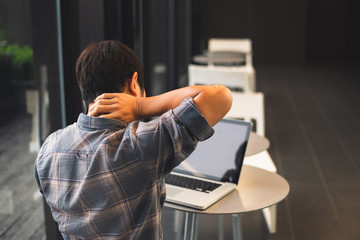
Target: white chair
column 237, row 78
column 243, row 45
column 250, row 107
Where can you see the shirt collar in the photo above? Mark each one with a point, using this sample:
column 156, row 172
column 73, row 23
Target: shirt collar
column 91, row 123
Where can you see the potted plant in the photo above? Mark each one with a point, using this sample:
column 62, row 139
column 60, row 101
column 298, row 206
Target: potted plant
column 21, row 61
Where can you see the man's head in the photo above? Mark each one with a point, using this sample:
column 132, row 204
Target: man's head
column 107, row 67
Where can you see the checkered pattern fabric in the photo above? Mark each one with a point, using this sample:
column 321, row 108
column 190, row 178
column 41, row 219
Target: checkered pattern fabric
column 104, row 179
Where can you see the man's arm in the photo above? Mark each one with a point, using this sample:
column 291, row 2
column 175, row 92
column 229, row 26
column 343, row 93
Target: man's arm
column 212, row 101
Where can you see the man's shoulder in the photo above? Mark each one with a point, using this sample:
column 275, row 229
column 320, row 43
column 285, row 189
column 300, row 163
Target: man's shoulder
column 59, row 138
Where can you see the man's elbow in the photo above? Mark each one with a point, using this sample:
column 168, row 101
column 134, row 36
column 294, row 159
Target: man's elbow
column 219, row 102
column 224, row 96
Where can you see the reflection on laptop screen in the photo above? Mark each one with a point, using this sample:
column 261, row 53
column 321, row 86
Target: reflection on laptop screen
column 221, row 156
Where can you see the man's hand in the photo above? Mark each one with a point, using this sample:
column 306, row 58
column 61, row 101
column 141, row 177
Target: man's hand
column 212, row 101
column 120, row 106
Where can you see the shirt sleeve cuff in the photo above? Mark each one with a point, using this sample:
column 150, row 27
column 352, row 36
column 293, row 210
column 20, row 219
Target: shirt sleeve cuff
column 190, row 117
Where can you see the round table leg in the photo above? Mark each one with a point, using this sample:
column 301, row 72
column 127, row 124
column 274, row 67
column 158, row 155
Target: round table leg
column 221, row 227
column 191, row 226
column 187, row 225
column 194, row 227
column 178, row 223
column 236, row 221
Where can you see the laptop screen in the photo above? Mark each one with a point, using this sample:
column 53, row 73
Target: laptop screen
column 221, row 156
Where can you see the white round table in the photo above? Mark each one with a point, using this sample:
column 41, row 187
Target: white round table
column 257, row 189
column 256, row 144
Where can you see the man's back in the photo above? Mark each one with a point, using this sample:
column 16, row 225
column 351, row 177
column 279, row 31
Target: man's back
column 102, row 178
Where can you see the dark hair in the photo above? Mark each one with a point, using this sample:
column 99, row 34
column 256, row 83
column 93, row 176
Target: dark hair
column 105, row 67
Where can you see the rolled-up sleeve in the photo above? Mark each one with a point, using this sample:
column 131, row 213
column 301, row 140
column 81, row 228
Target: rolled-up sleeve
column 164, row 143
column 189, row 116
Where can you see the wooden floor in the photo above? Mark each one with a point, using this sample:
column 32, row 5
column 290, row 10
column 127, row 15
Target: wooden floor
column 21, row 212
column 313, row 123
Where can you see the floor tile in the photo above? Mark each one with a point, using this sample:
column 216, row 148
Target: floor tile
column 317, row 229
column 310, row 201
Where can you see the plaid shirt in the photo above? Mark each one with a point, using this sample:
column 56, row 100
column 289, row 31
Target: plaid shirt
column 104, row 179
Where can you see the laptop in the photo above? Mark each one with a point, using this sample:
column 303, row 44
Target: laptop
column 212, row 171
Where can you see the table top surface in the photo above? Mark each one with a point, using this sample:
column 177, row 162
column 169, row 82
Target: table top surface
column 221, row 57
column 257, row 189
column 256, row 144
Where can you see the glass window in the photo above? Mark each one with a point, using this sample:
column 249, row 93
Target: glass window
column 21, row 211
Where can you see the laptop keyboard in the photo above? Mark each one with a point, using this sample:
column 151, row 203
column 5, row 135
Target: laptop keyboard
column 191, row 183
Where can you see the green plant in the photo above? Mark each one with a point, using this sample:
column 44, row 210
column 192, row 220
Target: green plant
column 21, row 59
column 20, row 56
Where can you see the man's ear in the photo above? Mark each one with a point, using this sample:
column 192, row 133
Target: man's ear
column 133, row 85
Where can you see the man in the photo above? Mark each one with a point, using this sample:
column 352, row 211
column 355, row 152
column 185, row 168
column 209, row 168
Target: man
column 103, row 176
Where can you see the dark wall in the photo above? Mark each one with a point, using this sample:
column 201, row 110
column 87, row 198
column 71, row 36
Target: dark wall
column 278, row 31
column 19, row 22
column 167, row 41
column 156, row 46
column 333, row 30
column 225, row 19
column 286, row 32
column 71, row 50
column 91, row 22
column 277, row 28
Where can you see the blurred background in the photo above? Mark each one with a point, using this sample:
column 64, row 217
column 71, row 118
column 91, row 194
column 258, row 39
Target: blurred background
column 306, row 58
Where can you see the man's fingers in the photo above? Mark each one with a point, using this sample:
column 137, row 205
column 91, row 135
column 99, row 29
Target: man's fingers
column 97, row 110
column 106, row 96
column 105, row 101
